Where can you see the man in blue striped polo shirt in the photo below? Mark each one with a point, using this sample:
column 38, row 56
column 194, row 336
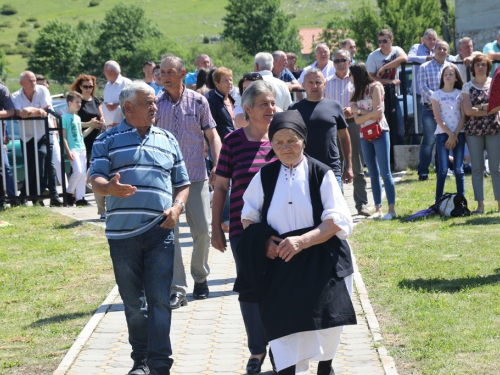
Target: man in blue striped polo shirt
column 141, row 171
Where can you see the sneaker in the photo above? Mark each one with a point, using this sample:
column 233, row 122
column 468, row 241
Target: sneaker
column 160, row 371
column 140, row 368
column 423, row 177
column 103, row 217
column 200, row 290
column 70, row 199
column 82, row 202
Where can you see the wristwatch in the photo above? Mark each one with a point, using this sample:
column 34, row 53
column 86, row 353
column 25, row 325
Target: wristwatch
column 182, row 205
column 359, row 111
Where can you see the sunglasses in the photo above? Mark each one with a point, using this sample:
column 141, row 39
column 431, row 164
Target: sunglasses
column 252, row 76
column 87, row 87
column 384, row 41
column 338, row 61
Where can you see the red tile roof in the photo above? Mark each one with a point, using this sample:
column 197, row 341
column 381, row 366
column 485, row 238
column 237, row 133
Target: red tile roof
column 310, row 37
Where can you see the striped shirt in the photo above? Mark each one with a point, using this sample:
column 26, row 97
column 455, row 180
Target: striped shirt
column 429, row 77
column 154, row 165
column 240, row 160
column 419, row 53
column 187, row 120
column 337, row 89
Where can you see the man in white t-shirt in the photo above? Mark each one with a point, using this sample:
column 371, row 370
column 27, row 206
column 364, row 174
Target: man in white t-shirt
column 383, row 64
column 263, row 63
column 322, row 56
column 32, row 100
column 116, row 83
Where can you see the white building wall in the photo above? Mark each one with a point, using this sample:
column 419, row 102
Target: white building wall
column 477, row 19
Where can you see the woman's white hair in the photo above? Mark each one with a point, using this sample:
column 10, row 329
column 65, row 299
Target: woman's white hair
column 253, row 91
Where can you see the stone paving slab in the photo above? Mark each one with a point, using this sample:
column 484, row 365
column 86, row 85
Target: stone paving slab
column 208, row 336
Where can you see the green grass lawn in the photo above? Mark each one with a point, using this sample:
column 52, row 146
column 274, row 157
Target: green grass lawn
column 185, row 21
column 54, row 274
column 435, row 283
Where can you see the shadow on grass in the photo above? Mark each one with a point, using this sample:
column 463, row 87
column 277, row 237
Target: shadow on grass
column 449, row 286
column 72, row 225
column 58, row 319
column 479, row 220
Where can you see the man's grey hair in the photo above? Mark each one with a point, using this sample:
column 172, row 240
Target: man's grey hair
column 430, row 32
column 277, row 54
column 342, row 51
column 251, row 93
column 345, row 41
column 264, row 60
column 313, row 71
column 465, row 39
column 113, row 65
column 175, row 59
column 129, row 93
column 321, row 44
column 24, row 74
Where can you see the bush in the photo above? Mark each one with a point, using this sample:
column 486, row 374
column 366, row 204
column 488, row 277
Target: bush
column 93, row 3
column 8, row 10
column 22, row 34
column 206, row 39
column 5, row 24
column 36, row 25
column 23, row 24
column 32, row 19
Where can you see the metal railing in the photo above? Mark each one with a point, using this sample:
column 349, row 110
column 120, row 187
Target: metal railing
column 19, row 131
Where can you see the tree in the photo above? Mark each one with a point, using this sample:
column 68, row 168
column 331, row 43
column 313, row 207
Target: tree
column 58, row 52
column 407, row 19
column 257, row 26
column 124, row 31
column 3, row 64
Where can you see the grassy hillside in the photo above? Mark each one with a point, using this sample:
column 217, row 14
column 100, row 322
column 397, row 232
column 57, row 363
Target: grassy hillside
column 186, row 21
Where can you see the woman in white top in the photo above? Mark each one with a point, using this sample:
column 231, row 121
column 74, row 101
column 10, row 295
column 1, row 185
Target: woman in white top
column 367, row 105
column 446, row 105
column 309, row 262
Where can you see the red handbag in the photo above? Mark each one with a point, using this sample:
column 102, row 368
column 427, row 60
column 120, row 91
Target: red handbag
column 371, row 132
column 494, row 101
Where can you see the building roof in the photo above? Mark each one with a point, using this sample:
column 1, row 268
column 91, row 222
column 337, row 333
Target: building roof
column 309, row 38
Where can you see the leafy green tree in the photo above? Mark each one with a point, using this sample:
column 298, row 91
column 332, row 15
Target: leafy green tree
column 3, row 64
column 124, row 31
column 58, row 52
column 408, row 19
column 258, row 25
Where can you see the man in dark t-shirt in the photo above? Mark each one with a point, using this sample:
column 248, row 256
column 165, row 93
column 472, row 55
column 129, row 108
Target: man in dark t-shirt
column 325, row 120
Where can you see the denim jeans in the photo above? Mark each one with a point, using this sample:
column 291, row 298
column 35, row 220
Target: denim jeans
column 377, row 158
column 458, row 160
column 250, row 313
column 9, row 178
column 145, row 262
column 428, row 140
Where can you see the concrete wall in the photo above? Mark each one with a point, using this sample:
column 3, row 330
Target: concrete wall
column 477, row 20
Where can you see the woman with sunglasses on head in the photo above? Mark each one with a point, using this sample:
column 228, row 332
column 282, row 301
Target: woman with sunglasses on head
column 91, row 111
column 482, row 131
column 239, row 113
column 367, row 106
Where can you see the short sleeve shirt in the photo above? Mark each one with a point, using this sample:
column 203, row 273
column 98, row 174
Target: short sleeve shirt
column 286, row 76
column 154, row 165
column 73, row 126
column 41, row 99
column 449, row 105
column 323, row 120
column 187, row 119
column 377, row 60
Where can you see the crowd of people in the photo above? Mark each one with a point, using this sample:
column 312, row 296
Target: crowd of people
column 277, row 169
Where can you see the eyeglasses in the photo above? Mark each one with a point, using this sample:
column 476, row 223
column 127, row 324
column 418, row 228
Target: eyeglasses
column 338, row 61
column 252, row 76
column 157, row 73
column 384, row 41
column 87, row 87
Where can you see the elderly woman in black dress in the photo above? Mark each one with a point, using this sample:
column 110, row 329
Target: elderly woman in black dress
column 296, row 262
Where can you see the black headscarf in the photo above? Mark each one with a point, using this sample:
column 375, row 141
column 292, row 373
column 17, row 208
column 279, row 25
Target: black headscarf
column 290, row 119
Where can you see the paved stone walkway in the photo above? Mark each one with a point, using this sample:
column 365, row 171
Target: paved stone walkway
column 208, row 336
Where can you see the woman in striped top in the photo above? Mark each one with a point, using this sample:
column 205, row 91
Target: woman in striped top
column 242, row 155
